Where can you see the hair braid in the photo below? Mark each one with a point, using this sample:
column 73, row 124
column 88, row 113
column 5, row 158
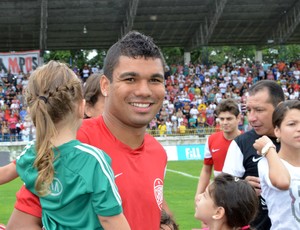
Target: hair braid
column 52, row 94
column 45, row 130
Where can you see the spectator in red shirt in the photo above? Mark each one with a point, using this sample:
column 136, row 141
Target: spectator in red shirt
column 12, row 122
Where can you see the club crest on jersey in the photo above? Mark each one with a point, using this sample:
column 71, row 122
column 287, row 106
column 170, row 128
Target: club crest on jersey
column 158, row 192
column 56, row 187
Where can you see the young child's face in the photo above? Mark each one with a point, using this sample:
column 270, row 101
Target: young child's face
column 205, row 207
column 289, row 129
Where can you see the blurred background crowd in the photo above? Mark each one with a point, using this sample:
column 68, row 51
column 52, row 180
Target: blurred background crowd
column 193, row 92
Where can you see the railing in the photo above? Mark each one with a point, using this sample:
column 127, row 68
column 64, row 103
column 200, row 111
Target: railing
column 200, row 131
column 15, row 138
column 10, row 150
column 11, row 146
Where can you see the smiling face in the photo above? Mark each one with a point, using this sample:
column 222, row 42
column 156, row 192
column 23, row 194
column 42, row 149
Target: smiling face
column 260, row 111
column 136, row 92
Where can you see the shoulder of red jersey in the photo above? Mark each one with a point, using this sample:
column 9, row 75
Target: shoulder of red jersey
column 151, row 141
column 216, row 135
column 89, row 123
column 88, row 126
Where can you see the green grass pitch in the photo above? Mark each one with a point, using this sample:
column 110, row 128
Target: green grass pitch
column 179, row 192
column 7, row 199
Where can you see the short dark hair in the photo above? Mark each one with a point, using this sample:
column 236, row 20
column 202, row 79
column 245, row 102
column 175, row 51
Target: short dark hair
column 276, row 94
column 132, row 45
column 281, row 111
column 237, row 197
column 228, row 105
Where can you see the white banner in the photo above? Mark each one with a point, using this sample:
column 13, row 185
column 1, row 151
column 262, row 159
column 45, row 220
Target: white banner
column 16, row 62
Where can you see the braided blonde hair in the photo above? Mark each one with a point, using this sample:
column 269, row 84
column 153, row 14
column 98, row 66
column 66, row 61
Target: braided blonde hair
column 52, row 94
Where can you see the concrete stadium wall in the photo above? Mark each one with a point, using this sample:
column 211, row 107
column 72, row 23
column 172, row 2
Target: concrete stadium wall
column 10, row 150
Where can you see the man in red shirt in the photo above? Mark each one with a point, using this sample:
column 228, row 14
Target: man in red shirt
column 133, row 87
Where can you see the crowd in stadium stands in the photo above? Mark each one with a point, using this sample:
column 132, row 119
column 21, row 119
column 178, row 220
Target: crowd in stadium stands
column 192, row 93
column 14, row 123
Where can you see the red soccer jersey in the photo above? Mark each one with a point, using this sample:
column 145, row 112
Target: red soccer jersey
column 215, row 151
column 139, row 173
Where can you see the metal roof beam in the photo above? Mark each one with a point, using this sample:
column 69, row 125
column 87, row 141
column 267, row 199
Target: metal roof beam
column 130, row 15
column 44, row 25
column 203, row 34
column 287, row 25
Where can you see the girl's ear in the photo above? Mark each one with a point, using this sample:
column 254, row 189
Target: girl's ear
column 219, row 214
column 277, row 132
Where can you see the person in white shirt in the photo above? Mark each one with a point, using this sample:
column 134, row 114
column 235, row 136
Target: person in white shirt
column 223, row 87
column 197, row 81
column 194, row 112
column 280, row 173
column 296, row 73
column 169, row 125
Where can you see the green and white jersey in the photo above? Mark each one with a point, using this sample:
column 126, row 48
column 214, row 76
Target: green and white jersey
column 83, row 186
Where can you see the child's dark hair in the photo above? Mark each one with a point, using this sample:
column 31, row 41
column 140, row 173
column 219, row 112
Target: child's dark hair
column 166, row 219
column 52, row 94
column 282, row 109
column 237, row 197
column 92, row 90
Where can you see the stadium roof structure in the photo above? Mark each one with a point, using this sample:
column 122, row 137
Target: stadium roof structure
column 190, row 24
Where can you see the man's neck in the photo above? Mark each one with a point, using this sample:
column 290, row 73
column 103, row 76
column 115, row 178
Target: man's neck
column 232, row 135
column 133, row 137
